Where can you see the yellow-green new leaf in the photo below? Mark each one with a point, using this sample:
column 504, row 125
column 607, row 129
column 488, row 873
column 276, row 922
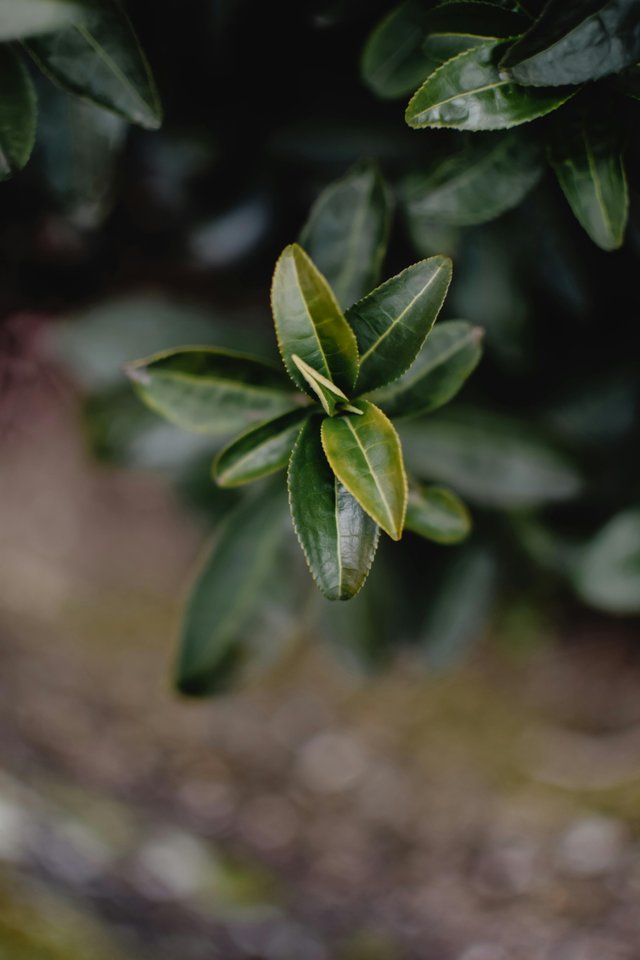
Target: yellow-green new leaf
column 309, row 322
column 211, row 391
column 227, row 591
column 339, row 540
column 437, row 514
column 326, row 391
column 99, row 58
column 393, row 321
column 366, row 456
column 258, row 452
column 17, row 113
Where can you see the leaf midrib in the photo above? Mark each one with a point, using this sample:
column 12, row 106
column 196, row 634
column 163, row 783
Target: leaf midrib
column 372, row 473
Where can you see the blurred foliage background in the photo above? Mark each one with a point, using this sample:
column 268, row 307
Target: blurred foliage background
column 477, row 798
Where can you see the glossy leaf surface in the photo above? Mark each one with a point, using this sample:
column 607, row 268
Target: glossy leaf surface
column 17, row 113
column 608, row 573
column 339, row 540
column 100, row 59
column 258, row 452
column 470, row 93
column 22, row 18
column 393, row 63
column 210, row 391
column 347, row 231
column 437, row 514
column 588, row 162
column 451, row 353
column 392, row 322
column 489, row 459
column 576, row 42
column 365, row 455
column 309, row 322
column 226, row 591
column 491, row 174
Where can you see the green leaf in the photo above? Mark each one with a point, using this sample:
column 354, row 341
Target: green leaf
column 21, row 18
column 587, row 158
column 437, row 514
column 393, row 62
column 326, row 391
column 459, row 614
column 209, row 390
column 470, row 93
column 101, row 60
column 491, row 460
column 258, row 452
column 392, row 322
column 455, row 27
column 17, row 113
column 489, row 175
column 309, row 322
column 227, row 590
column 347, row 231
column 576, row 42
column 366, row 456
column 629, row 82
column 608, row 573
column 451, row 353
column 339, row 540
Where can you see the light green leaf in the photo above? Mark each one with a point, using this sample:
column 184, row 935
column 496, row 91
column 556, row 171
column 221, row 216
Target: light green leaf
column 469, row 93
column 587, row 159
column 309, row 322
column 326, row 391
column 576, row 42
column 347, row 231
column 22, row 18
column 451, row 353
column 17, row 113
column 258, row 452
column 607, row 574
column 101, row 60
column 339, row 540
column 366, row 456
column 392, row 322
column 489, row 175
column 393, row 63
column 226, row 591
column 458, row 615
column 210, row 391
column 437, row 514
column 491, row 460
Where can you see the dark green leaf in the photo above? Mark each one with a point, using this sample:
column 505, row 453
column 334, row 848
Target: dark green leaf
column 392, row 322
column 576, row 42
column 608, row 572
column 629, row 82
column 366, row 456
column 491, row 460
column 393, row 63
column 437, row 514
column 451, row 353
column 587, row 159
column 22, row 18
column 488, row 176
column 309, row 322
column 17, row 113
column 209, row 390
column 258, row 452
column 100, row 59
column 347, row 231
column 339, row 540
column 470, row 93
column 227, row 590
column 455, row 27
column 458, row 615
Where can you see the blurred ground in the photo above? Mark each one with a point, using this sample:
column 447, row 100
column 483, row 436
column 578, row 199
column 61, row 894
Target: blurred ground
column 488, row 814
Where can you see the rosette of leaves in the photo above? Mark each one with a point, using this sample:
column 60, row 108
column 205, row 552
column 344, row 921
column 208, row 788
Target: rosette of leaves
column 484, row 65
column 88, row 48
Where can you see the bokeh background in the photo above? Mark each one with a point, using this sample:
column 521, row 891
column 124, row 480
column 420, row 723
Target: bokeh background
column 450, row 772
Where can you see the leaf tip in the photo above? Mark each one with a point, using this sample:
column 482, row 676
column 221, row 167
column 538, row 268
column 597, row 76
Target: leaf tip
column 137, row 372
